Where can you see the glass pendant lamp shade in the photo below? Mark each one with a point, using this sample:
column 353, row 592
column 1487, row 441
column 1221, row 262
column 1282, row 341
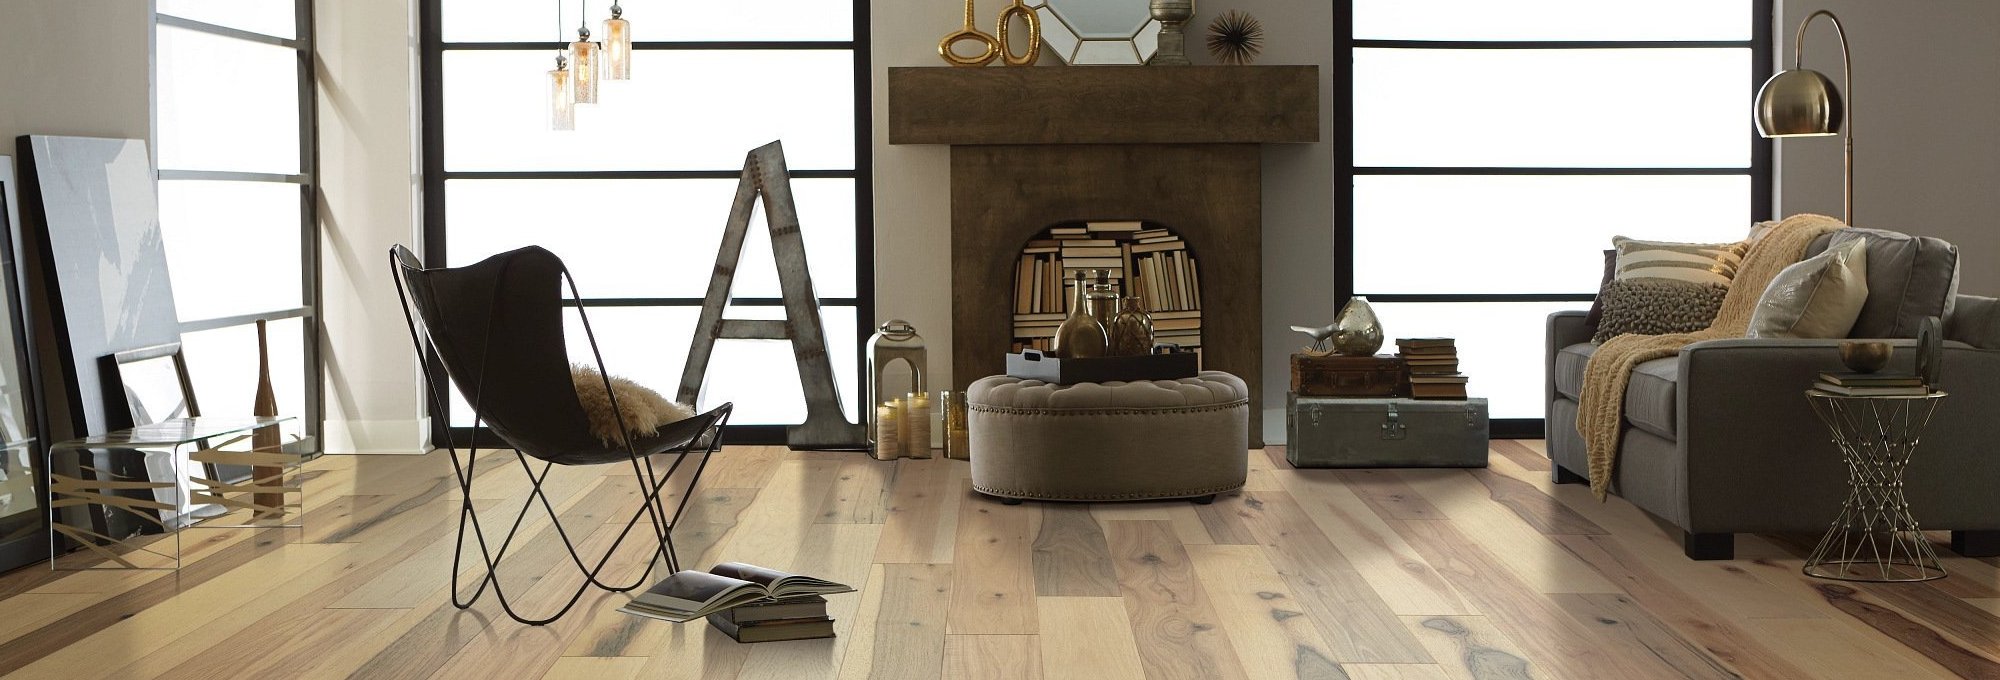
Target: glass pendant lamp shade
column 1799, row 103
column 586, row 67
column 562, row 108
column 617, row 45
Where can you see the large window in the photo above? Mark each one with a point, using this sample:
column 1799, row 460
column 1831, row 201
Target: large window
column 636, row 197
column 1493, row 148
column 234, row 139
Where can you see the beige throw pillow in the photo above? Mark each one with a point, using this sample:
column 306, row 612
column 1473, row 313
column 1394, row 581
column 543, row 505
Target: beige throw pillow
column 1702, row 263
column 1816, row 298
column 645, row 410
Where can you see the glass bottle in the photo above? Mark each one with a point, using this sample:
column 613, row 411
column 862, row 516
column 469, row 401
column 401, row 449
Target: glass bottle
column 1081, row 335
column 1132, row 329
column 1104, row 303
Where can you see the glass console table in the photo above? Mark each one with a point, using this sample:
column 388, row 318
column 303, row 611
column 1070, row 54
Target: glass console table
column 125, row 496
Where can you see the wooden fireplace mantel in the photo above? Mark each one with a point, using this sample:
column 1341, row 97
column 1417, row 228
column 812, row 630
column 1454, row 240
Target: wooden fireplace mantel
column 1104, row 105
column 1177, row 146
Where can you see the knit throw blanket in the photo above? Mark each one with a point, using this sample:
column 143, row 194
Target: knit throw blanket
column 1601, row 410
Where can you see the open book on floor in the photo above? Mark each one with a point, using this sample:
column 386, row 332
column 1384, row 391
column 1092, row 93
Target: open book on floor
column 690, row 595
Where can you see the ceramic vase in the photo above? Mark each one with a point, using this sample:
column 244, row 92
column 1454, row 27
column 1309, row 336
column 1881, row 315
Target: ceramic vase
column 1357, row 332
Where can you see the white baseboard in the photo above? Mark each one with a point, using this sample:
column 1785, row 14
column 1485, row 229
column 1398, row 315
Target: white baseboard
column 377, row 437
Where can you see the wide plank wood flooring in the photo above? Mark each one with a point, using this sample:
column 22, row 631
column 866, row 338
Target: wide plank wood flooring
column 1480, row 574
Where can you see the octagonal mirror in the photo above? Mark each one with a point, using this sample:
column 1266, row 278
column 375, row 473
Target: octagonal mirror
column 1098, row 31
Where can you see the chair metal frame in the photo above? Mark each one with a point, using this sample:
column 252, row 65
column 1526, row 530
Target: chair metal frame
column 704, row 444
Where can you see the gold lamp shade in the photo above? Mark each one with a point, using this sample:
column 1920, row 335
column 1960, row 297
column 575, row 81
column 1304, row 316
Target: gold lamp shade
column 1799, row 103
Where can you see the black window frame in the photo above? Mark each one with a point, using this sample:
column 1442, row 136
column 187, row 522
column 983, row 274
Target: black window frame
column 307, row 179
column 432, row 47
column 1760, row 169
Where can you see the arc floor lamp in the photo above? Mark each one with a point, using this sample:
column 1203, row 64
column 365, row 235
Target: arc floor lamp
column 1801, row 102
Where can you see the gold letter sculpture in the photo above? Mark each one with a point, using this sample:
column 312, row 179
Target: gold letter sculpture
column 1034, row 35
column 990, row 47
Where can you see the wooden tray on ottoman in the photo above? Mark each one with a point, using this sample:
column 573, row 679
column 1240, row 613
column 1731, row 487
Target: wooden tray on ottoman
column 1034, row 365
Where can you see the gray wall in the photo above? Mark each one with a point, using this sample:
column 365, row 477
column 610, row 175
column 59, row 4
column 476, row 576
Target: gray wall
column 1927, row 98
column 75, row 67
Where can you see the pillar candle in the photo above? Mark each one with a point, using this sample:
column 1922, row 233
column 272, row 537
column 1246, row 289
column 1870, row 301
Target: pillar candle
column 888, row 434
column 917, row 420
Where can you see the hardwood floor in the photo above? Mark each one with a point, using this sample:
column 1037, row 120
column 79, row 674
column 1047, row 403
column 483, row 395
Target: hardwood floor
column 1475, row 574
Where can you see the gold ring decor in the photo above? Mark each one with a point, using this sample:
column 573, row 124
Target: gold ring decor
column 1034, row 35
column 991, row 47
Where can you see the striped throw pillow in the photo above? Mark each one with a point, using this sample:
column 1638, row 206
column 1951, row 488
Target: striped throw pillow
column 1704, row 263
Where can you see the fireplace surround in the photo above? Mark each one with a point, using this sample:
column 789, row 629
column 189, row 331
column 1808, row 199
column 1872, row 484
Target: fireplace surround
column 1177, row 146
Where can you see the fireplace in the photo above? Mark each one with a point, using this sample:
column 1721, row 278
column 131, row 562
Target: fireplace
column 1167, row 145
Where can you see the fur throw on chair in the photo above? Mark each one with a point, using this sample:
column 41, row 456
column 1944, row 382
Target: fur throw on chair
column 644, row 410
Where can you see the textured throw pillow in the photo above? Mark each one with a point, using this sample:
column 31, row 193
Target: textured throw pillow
column 1707, row 263
column 644, row 410
column 1819, row 297
column 1657, row 307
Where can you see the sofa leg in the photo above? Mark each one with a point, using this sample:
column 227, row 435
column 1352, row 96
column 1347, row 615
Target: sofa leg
column 1202, row 500
column 1010, row 501
column 1708, row 546
column 1562, row 475
column 1976, row 543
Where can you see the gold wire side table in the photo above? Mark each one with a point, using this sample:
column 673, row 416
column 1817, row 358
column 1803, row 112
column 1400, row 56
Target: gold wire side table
column 1875, row 538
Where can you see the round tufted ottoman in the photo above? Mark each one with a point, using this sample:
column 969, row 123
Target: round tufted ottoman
column 1118, row 441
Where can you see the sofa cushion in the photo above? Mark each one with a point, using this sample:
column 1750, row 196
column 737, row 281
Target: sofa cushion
column 1651, row 401
column 1909, row 278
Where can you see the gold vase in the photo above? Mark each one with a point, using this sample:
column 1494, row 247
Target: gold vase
column 1358, row 333
column 1081, row 335
column 1132, row 329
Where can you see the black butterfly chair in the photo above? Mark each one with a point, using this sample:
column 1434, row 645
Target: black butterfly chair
column 497, row 330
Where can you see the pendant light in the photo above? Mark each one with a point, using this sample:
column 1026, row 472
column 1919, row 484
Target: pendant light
column 617, row 45
column 586, row 62
column 562, row 105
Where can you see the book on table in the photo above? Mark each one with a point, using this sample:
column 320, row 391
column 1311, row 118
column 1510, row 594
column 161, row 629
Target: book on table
column 1872, row 379
column 1917, row 390
column 689, row 595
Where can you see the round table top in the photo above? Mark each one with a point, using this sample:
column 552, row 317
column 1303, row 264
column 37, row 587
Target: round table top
column 1934, row 394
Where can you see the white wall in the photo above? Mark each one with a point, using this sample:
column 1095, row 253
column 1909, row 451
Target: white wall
column 1927, row 159
column 50, row 85
column 913, row 186
column 369, row 201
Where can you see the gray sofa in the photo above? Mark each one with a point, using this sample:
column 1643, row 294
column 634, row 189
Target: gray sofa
column 1720, row 440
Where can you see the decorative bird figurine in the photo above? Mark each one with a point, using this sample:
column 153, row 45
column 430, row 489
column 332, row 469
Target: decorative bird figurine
column 1320, row 337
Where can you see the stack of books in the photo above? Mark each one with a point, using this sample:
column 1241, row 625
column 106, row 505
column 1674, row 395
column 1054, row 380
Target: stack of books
column 746, row 602
column 1872, row 384
column 1151, row 263
column 800, row 617
column 1433, row 366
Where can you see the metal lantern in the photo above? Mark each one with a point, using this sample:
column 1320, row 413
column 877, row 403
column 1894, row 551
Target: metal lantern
column 894, row 340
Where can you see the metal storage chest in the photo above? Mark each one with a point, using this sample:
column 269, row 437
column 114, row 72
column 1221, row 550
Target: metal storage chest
column 1338, row 433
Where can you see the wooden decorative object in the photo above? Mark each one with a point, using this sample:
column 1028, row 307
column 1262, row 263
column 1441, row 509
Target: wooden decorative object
column 1235, row 38
column 267, row 439
column 1344, row 376
column 989, row 46
column 1186, row 105
column 765, row 176
column 1034, row 52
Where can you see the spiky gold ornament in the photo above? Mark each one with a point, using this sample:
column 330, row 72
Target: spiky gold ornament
column 1235, row 38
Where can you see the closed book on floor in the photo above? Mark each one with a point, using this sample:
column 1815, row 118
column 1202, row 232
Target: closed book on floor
column 801, row 607
column 773, row 631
